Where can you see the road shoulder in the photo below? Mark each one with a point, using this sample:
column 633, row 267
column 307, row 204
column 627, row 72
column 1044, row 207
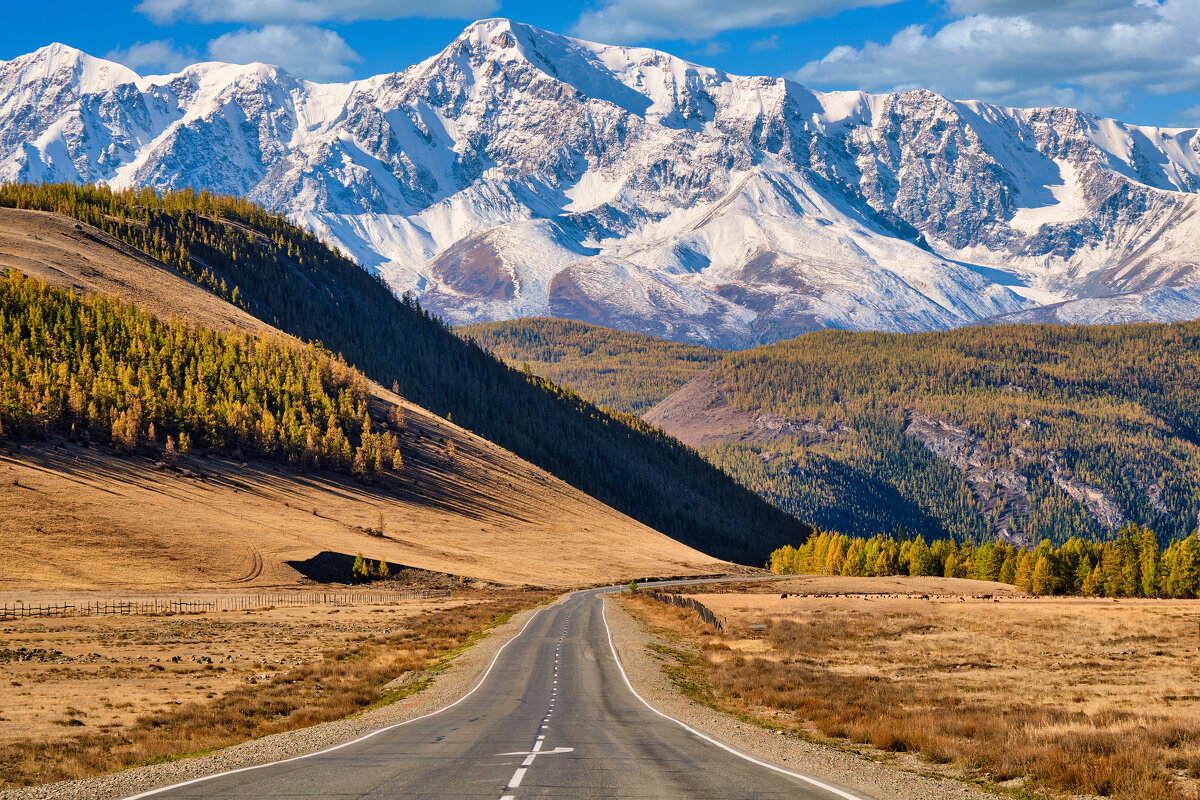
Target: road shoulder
column 447, row 686
column 851, row 770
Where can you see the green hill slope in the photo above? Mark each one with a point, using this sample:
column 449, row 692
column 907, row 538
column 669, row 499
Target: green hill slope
column 627, row 372
column 289, row 279
column 1021, row 432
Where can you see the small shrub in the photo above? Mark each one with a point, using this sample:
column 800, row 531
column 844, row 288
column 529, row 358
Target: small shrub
column 360, row 570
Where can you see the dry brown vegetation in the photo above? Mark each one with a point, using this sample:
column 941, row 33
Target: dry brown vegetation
column 1070, row 695
column 78, row 518
column 107, row 693
column 86, row 260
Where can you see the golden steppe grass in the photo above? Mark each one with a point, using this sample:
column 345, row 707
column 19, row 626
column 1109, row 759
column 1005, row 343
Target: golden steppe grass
column 1070, row 695
column 114, row 692
column 77, row 518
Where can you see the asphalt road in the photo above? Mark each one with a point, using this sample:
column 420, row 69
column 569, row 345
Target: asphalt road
column 554, row 717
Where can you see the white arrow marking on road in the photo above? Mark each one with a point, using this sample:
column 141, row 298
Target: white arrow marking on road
column 540, row 753
column 530, row 755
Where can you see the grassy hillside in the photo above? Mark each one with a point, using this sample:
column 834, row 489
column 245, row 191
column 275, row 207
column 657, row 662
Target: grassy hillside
column 85, row 519
column 627, row 372
column 286, row 277
column 78, row 514
column 1027, row 432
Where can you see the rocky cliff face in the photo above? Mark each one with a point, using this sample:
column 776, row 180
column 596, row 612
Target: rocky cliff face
column 999, row 482
column 519, row 172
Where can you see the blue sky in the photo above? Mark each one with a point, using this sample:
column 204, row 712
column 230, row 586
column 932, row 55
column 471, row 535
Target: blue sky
column 1134, row 59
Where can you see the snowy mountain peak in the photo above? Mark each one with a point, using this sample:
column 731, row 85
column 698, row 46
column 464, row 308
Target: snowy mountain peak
column 520, row 172
column 499, row 41
column 499, row 32
column 642, row 81
column 491, row 39
column 59, row 63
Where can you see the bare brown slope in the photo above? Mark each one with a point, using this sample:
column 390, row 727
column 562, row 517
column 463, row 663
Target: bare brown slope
column 699, row 414
column 84, row 259
column 84, row 518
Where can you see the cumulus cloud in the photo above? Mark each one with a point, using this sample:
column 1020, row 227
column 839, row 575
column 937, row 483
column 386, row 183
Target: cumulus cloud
column 1014, row 8
column 303, row 50
column 1091, row 60
column 630, row 21
column 159, row 55
column 300, row 11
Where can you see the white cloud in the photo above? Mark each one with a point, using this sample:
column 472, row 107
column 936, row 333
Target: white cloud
column 714, row 48
column 299, row 11
column 303, row 50
column 159, row 55
column 630, row 21
column 769, row 43
column 1015, row 8
column 1089, row 60
column 1188, row 118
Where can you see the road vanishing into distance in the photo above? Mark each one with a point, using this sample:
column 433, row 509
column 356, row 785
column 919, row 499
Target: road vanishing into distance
column 554, row 716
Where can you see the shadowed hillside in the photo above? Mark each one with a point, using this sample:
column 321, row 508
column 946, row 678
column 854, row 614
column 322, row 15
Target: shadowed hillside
column 91, row 499
column 288, row 278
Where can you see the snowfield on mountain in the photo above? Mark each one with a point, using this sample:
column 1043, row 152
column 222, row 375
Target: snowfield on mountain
column 521, row 173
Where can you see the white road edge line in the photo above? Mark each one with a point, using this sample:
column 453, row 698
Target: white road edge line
column 472, row 691
column 768, row 765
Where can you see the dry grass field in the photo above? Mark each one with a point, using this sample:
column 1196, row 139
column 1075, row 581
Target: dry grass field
column 79, row 518
column 87, row 695
column 1068, row 695
column 86, row 519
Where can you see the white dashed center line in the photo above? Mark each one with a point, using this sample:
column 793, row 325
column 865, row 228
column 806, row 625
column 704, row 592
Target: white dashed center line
column 515, row 781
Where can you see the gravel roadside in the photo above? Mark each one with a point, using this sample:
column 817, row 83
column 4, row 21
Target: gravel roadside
column 857, row 772
column 447, row 686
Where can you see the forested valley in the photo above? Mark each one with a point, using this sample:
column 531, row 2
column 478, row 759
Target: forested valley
column 1020, row 432
column 627, row 372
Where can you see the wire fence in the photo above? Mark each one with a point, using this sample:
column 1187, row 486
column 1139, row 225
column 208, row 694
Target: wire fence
column 247, row 602
column 686, row 602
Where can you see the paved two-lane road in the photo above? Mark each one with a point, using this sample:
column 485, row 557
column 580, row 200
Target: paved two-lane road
column 553, row 718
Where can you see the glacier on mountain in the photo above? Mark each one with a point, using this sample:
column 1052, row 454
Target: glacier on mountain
column 520, row 173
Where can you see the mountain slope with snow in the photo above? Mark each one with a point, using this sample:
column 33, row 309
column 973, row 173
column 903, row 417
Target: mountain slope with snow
column 521, row 173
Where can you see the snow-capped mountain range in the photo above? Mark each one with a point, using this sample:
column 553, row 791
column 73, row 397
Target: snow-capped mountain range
column 521, row 173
